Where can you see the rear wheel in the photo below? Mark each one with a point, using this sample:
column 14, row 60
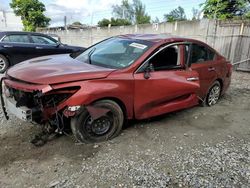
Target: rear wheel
column 89, row 130
column 4, row 63
column 213, row 94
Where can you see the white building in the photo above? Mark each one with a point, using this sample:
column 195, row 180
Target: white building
column 10, row 22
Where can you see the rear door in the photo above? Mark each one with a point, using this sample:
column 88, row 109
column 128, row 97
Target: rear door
column 167, row 86
column 18, row 46
column 203, row 60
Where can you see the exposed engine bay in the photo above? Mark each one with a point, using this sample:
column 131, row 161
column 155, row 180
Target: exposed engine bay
column 38, row 108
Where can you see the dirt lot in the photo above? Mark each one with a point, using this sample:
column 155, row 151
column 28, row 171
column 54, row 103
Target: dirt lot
column 198, row 147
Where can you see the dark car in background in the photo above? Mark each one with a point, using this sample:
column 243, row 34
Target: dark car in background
column 18, row 46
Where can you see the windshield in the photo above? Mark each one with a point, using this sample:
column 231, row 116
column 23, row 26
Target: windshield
column 115, row 52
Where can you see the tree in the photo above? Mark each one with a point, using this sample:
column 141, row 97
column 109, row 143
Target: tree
column 140, row 15
column 196, row 14
column 177, row 14
column 156, row 20
column 104, row 22
column 134, row 12
column 225, row 9
column 113, row 22
column 77, row 23
column 124, row 11
column 31, row 13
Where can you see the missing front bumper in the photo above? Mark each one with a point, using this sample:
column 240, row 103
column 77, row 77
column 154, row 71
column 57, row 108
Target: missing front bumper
column 22, row 112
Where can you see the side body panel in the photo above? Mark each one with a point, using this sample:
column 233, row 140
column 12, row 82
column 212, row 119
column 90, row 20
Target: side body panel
column 18, row 52
column 163, row 92
column 207, row 75
column 120, row 88
column 209, row 72
column 44, row 50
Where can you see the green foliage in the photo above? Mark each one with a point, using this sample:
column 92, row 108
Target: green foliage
column 247, row 15
column 124, row 11
column 31, row 13
column 104, row 22
column 133, row 12
column 177, row 14
column 77, row 23
column 114, row 22
column 225, row 9
column 141, row 17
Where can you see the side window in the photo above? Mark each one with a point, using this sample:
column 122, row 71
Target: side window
column 15, row 38
column 198, row 54
column 211, row 55
column 166, row 59
column 201, row 54
column 42, row 40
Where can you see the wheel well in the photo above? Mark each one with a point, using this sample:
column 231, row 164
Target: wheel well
column 118, row 101
column 221, row 83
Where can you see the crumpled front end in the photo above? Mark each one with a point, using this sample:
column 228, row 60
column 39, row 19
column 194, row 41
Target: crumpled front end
column 34, row 102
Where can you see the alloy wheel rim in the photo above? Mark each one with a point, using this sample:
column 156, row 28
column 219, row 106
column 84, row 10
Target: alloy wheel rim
column 214, row 95
column 2, row 64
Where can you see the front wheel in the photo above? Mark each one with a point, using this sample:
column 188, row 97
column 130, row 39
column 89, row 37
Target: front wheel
column 213, row 94
column 90, row 130
column 4, row 63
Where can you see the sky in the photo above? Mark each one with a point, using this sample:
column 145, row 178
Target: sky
column 91, row 11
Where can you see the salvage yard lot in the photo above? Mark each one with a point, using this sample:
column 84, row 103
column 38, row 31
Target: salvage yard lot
column 195, row 147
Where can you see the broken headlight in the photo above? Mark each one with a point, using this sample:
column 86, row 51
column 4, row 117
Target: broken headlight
column 57, row 96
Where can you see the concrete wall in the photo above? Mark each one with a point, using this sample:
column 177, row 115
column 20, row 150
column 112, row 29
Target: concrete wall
column 10, row 22
column 231, row 39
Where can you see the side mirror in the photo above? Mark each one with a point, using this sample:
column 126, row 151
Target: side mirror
column 147, row 71
column 58, row 44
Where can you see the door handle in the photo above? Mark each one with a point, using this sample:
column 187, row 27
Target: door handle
column 38, row 47
column 211, row 69
column 193, row 79
column 7, row 46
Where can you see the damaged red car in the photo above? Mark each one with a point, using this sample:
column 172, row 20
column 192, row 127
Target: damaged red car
column 120, row 78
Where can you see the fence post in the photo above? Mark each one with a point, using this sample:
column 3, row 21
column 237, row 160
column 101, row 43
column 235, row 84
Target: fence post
column 215, row 33
column 242, row 28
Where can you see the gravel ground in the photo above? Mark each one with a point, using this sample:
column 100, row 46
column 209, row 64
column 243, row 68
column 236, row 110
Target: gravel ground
column 197, row 147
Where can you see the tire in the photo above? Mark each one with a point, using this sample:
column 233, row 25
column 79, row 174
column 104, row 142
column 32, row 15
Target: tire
column 4, row 63
column 91, row 131
column 213, row 94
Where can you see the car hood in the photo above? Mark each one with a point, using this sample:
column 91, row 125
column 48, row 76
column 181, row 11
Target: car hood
column 56, row 69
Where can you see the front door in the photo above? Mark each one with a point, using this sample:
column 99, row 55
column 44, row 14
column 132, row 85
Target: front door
column 46, row 46
column 167, row 86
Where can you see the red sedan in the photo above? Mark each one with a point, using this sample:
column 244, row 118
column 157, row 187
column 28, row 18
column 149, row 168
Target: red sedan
column 123, row 77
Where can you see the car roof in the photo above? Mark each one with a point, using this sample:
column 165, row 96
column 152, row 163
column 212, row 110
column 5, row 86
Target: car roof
column 2, row 33
column 156, row 37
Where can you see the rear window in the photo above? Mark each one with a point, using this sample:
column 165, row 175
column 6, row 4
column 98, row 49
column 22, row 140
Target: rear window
column 16, row 38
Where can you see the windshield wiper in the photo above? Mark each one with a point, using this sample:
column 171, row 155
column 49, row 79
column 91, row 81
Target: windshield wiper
column 90, row 54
